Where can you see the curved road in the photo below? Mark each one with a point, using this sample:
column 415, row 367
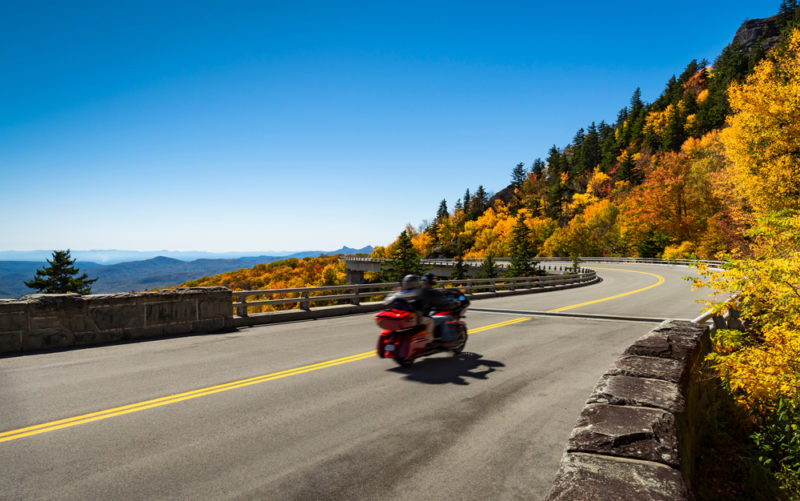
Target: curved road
column 306, row 411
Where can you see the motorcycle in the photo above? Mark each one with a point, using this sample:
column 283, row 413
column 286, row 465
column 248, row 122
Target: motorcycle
column 405, row 337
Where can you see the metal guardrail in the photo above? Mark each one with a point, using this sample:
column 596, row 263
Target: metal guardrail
column 305, row 296
column 504, row 261
column 728, row 320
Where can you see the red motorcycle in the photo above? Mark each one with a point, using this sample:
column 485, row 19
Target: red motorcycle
column 405, row 336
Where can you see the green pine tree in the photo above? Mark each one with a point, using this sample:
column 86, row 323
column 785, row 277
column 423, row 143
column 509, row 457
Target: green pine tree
column 538, row 167
column 489, row 268
column 460, row 269
column 58, row 277
column 522, row 251
column 591, row 148
column 518, row 175
column 442, row 213
column 403, row 261
column 479, row 203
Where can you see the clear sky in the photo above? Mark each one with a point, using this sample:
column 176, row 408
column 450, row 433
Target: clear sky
column 244, row 126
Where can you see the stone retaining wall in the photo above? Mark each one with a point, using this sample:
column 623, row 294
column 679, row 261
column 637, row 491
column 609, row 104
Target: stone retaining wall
column 47, row 321
column 638, row 433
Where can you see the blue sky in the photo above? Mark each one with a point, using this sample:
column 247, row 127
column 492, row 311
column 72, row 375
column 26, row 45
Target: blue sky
column 246, row 126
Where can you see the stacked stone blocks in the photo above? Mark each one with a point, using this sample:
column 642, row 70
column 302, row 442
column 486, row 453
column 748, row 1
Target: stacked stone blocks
column 637, row 435
column 48, row 321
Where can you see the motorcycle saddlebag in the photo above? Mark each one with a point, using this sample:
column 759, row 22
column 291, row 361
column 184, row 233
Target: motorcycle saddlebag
column 395, row 319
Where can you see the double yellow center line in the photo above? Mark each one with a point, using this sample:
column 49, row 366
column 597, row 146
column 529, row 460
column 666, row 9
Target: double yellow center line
column 171, row 399
column 210, row 390
column 202, row 392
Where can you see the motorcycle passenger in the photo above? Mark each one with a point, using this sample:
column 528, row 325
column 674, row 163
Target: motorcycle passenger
column 437, row 300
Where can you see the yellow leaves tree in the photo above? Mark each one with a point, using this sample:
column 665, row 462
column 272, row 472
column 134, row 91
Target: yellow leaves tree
column 721, row 216
column 762, row 363
column 599, row 186
column 763, row 137
column 595, row 232
column 285, row 274
column 490, row 233
column 683, row 200
column 656, row 122
column 423, row 243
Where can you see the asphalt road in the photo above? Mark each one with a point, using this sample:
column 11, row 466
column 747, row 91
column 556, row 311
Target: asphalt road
column 306, row 411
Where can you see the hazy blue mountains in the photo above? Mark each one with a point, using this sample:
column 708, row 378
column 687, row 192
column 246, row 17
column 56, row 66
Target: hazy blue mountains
column 143, row 274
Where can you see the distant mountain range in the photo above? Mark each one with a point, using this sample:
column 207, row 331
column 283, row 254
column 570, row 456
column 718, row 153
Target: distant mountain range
column 114, row 256
column 137, row 275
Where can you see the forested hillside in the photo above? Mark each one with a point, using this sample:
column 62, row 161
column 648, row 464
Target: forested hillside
column 654, row 183
column 283, row 274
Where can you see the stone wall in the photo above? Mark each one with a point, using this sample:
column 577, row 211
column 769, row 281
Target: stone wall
column 638, row 433
column 48, row 321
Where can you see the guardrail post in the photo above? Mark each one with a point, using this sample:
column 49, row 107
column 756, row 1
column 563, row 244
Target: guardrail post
column 356, row 299
column 304, row 304
column 733, row 320
column 241, row 308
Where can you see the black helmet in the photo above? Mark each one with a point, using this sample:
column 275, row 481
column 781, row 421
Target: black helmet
column 429, row 279
column 410, row 282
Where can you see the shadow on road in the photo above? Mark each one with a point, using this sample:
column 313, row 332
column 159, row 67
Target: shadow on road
column 453, row 370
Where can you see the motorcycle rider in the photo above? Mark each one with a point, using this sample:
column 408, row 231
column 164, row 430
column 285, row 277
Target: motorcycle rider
column 424, row 298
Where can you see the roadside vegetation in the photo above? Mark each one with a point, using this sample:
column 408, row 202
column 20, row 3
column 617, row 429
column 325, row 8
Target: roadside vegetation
column 285, row 274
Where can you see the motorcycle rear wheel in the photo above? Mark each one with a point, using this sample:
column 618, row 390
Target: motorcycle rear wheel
column 458, row 349
column 404, row 362
column 462, row 338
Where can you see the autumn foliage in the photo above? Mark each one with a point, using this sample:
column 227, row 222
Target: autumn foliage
column 760, row 363
column 285, row 274
column 710, row 170
column 288, row 273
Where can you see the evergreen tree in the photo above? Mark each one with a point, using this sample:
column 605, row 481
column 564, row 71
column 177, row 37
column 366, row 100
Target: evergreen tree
column 653, row 245
column 480, row 202
column 537, row 168
column 577, row 161
column 675, row 134
column 625, row 172
column 789, row 16
column 460, row 269
column 522, row 251
column 691, row 69
column 556, row 191
column 622, row 116
column 58, row 277
column 489, row 268
column 518, row 175
column 732, row 64
column 635, row 120
column 404, row 260
column 591, row 148
column 608, row 147
column 442, row 213
column 671, row 95
column 637, row 106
